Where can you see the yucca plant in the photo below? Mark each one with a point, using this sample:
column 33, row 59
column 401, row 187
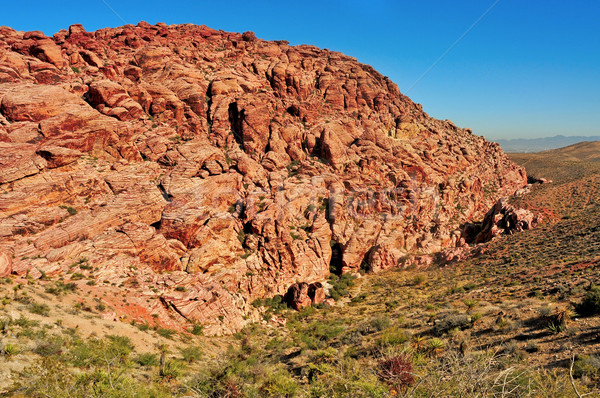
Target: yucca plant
column 436, row 346
column 10, row 350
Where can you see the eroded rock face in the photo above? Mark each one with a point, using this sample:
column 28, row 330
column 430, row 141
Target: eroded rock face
column 301, row 295
column 501, row 219
column 206, row 169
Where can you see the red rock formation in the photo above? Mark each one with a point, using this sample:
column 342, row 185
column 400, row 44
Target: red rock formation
column 301, row 295
column 224, row 164
column 502, row 218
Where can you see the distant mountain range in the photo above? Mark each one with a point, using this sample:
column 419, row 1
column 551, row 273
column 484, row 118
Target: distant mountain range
column 541, row 144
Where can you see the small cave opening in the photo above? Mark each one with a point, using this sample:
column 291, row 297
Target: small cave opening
column 248, row 228
column 235, row 121
column 336, row 264
column 293, row 110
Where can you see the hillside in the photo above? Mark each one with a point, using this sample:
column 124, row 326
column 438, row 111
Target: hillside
column 506, row 321
column 195, row 171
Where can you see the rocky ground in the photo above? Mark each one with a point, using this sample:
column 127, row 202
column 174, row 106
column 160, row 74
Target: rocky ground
column 198, row 170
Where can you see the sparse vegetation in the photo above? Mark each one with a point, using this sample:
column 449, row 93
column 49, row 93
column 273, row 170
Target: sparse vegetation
column 497, row 324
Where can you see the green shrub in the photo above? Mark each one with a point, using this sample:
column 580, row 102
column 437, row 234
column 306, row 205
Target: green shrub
column 96, row 352
column 39, row 309
column 168, row 333
column 586, row 365
column 171, row 369
column 280, row 384
column 60, row 287
column 10, row 349
column 24, row 322
column 197, row 330
column 275, row 303
column 392, row 337
column 418, row 279
column 191, row 353
column 146, row 359
column 470, row 303
column 120, row 346
column 71, row 210
column 380, row 323
column 143, row 326
column 340, row 285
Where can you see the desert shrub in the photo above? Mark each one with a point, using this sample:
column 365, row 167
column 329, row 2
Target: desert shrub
column 191, row 353
column 479, row 375
column 470, row 303
column 392, row 336
column 197, row 330
column 47, row 378
column 9, row 350
column 171, row 369
column 60, row 287
column 71, row 210
column 418, row 279
column 324, row 330
column 143, row 326
column 52, row 378
column 168, row 333
column 586, row 365
column 95, row 352
column 380, row 323
column 340, row 285
column 590, row 305
column 146, row 359
column 280, row 384
column 121, row 345
column 274, row 303
column 24, row 322
column 397, row 372
column 511, row 348
column 448, row 322
column 346, row 379
column 23, row 299
column 435, row 346
column 49, row 347
column 39, row 309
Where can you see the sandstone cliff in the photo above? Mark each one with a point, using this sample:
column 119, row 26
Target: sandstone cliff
column 200, row 170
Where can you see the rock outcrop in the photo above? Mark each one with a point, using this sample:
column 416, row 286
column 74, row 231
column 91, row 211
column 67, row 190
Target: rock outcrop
column 501, row 219
column 204, row 169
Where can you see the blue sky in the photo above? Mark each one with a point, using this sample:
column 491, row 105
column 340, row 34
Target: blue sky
column 527, row 69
